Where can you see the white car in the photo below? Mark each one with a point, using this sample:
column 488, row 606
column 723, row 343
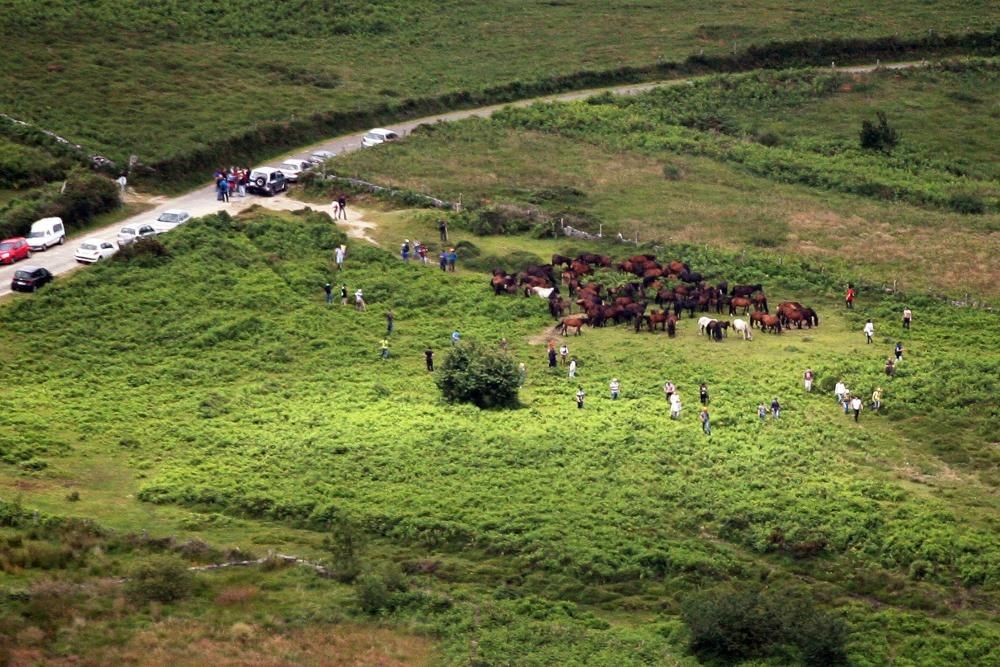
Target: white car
column 170, row 219
column 130, row 233
column 94, row 250
column 292, row 168
column 378, row 135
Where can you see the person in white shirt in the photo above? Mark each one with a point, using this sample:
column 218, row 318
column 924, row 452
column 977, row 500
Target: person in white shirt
column 907, row 317
column 856, row 405
column 339, row 255
column 840, row 391
column 675, row 405
column 572, row 368
column 869, row 330
column 807, row 379
column 359, row 300
column 564, row 354
column 615, row 388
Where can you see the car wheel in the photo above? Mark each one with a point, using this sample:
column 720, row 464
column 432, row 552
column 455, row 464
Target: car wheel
column 260, row 181
column 44, row 247
column 62, row 239
column 29, row 255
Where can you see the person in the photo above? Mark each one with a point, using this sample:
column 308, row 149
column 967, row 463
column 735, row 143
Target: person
column 899, row 351
column 443, row 260
column 443, row 229
column 572, row 368
column 703, row 393
column 552, row 355
column 877, row 399
column 122, row 182
column 452, row 258
column 762, row 411
column 429, row 359
column 846, row 403
column 907, row 317
column 675, row 405
column 580, row 395
column 336, row 209
column 359, row 300
column 807, row 379
column 668, row 389
column 390, row 321
column 840, row 390
column 563, row 354
column 522, row 374
column 856, row 405
column 244, row 181
column 615, row 387
column 775, row 409
column 849, row 296
column 869, row 331
column 705, row 425
column 455, row 337
column 329, row 293
column 342, row 206
column 343, row 294
column 385, row 348
column 339, row 254
column 404, row 250
column 224, row 184
column 503, row 344
column 422, row 251
column 890, row 367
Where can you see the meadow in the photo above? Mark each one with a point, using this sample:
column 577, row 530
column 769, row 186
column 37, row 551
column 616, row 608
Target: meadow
column 185, row 86
column 211, row 393
column 740, row 161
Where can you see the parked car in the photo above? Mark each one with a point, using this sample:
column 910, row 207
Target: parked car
column 13, row 249
column 292, row 168
column 267, row 181
column 170, row 219
column 94, row 250
column 130, row 233
column 30, row 278
column 378, row 135
column 46, row 233
column 318, row 157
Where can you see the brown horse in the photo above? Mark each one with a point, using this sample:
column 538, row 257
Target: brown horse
column 671, row 325
column 739, row 302
column 658, row 317
column 772, row 322
column 575, row 322
column 758, row 319
column 760, row 302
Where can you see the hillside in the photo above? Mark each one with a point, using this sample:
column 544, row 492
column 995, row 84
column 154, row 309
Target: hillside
column 211, row 394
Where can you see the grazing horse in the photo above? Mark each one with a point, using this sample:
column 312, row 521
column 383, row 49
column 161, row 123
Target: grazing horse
column 739, row 302
column 671, row 325
column 811, row 316
column 691, row 277
column 757, row 318
column 703, row 323
column 543, row 292
column 760, row 302
column 660, row 317
column 560, row 259
column 575, row 322
column 716, row 329
column 772, row 322
column 557, row 307
column 581, row 268
column 742, row 328
column 746, row 290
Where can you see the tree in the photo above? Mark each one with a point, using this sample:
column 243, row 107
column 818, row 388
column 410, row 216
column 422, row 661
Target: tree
column 880, row 137
column 474, row 374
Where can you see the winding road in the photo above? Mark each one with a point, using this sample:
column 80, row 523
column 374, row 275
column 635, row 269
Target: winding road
column 202, row 201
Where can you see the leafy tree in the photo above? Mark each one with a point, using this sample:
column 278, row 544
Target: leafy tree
column 880, row 137
column 474, row 374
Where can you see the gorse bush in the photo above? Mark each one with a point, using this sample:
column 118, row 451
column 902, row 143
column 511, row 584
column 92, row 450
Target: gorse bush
column 879, row 136
column 472, row 373
column 159, row 578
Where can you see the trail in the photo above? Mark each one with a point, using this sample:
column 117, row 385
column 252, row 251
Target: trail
column 202, row 201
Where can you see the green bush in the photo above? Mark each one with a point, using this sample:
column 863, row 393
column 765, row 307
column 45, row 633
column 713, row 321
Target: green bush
column 373, row 593
column 159, row 579
column 880, row 137
column 474, row 374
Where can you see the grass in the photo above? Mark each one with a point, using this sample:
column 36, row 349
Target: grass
column 603, row 182
column 234, row 402
column 123, row 78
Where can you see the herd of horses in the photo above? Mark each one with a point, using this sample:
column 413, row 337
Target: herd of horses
column 672, row 287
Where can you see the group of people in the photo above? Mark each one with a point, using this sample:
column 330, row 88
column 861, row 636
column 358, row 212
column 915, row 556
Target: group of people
column 447, row 258
column 228, row 181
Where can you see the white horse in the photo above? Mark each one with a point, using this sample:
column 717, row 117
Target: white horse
column 702, row 323
column 543, row 292
column 739, row 326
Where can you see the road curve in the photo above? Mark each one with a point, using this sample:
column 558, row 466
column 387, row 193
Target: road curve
column 202, row 201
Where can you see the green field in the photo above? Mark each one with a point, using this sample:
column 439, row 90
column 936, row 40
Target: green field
column 658, row 166
column 212, row 394
column 159, row 81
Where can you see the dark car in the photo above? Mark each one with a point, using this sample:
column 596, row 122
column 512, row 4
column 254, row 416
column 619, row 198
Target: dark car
column 30, row 278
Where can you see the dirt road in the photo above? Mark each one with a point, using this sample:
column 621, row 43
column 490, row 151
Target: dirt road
column 202, row 201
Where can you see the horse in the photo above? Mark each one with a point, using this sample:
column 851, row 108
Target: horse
column 739, row 302
column 503, row 284
column 716, row 329
column 557, row 307
column 691, row 277
column 772, row 322
column 703, row 323
column 567, row 323
column 760, row 302
column 757, row 318
column 677, row 267
column 742, row 328
column 660, row 317
column 561, row 259
column 581, row 268
column 746, row 290
column 811, row 315
column 671, row 325
column 544, row 292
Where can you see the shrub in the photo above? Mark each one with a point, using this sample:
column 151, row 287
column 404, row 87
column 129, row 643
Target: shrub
column 672, row 172
column 968, row 204
column 474, row 374
column 144, row 252
column 880, row 137
column 159, row 579
column 373, row 594
column 345, row 543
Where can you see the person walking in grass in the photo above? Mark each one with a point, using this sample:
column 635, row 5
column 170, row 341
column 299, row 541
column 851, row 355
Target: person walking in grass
column 552, row 356
column 675, row 405
column 404, row 250
column 572, row 368
column 122, row 182
column 615, row 387
column 668, row 390
column 429, row 359
column 899, row 351
column 443, row 229
column 343, row 294
column 452, row 258
column 342, row 206
column 563, row 354
column 762, row 412
column 443, row 260
column 857, row 405
column 890, row 367
column 339, row 254
column 703, row 393
column 455, row 337
column 390, row 322
column 706, row 426
column 359, row 301
column 522, row 374
column 846, row 403
column 328, row 289
column 869, row 331
column 840, row 391
column 384, row 347
column 877, row 399
column 850, row 295
column 907, row 317
column 580, row 395
column 807, row 379
column 775, row 409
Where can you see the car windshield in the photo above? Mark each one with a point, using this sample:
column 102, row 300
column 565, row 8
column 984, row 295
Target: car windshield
column 24, row 275
column 170, row 217
column 372, row 135
column 128, row 231
column 88, row 246
column 290, row 165
column 7, row 246
column 36, row 235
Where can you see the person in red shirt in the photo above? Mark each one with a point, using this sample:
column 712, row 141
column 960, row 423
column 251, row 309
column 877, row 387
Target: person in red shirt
column 849, row 297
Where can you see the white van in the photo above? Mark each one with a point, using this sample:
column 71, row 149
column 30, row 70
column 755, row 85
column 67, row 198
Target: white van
column 46, row 233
